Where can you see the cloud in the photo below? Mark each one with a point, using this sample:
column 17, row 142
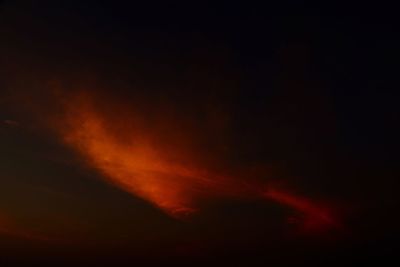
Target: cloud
column 158, row 156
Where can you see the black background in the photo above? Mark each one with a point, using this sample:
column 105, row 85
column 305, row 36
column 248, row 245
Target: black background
column 312, row 88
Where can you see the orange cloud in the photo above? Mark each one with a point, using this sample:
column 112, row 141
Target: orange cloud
column 153, row 157
column 135, row 160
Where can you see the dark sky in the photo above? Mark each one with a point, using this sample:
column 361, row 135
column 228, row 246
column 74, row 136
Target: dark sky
column 303, row 96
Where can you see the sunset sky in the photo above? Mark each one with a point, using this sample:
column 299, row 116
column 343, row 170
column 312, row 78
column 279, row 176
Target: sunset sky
column 197, row 134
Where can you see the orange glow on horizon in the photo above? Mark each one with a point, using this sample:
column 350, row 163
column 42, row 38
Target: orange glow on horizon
column 9, row 228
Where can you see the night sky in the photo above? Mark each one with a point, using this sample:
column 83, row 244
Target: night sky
column 210, row 134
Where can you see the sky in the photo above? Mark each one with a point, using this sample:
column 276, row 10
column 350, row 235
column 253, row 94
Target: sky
column 197, row 133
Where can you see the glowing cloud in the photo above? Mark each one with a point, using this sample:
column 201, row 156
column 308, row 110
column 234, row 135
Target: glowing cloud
column 133, row 163
column 128, row 152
